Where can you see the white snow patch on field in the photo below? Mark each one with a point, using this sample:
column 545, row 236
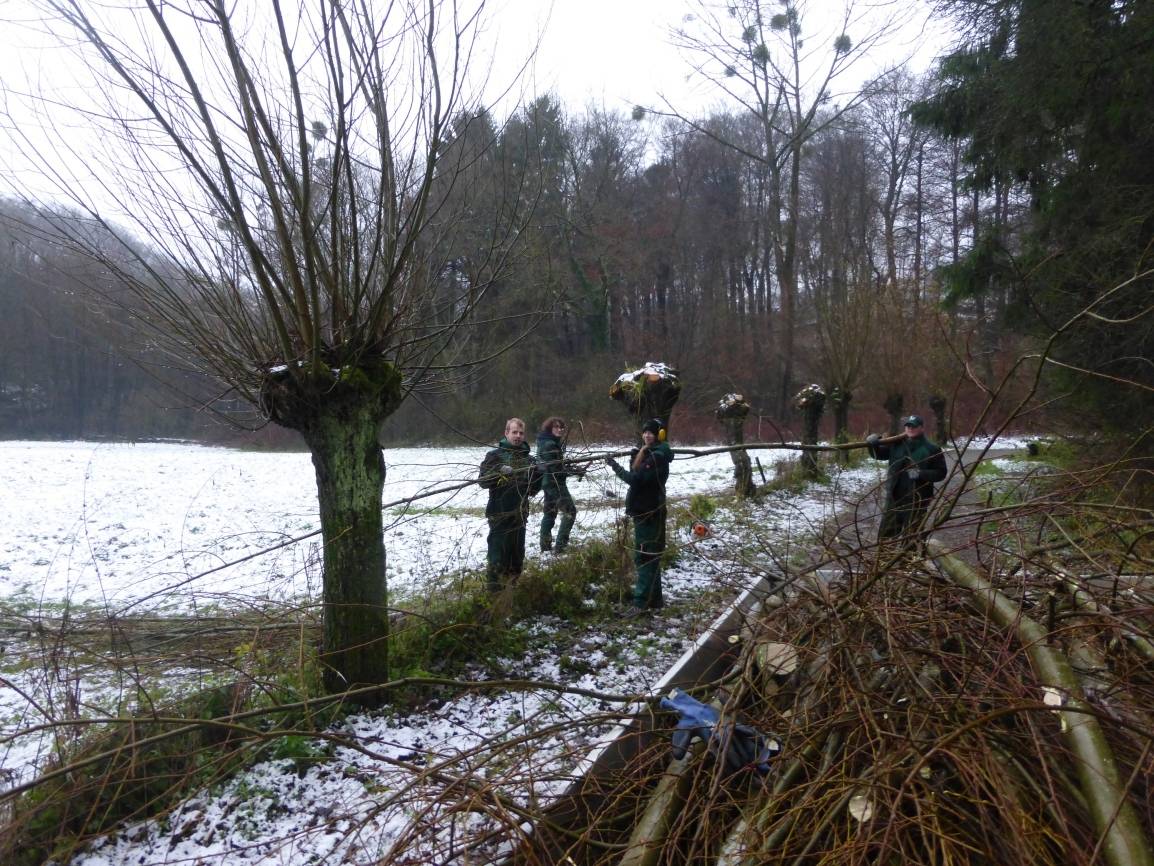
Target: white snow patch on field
column 112, row 526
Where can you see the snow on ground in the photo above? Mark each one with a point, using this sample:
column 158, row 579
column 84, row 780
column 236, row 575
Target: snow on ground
column 115, row 525
column 111, row 524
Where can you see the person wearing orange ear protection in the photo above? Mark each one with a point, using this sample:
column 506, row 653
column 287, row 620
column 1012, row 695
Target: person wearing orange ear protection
column 645, row 503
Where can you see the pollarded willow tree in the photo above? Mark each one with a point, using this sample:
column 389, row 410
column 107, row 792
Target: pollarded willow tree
column 309, row 172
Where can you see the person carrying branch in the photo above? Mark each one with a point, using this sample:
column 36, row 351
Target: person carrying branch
column 915, row 465
column 554, row 482
column 645, row 503
column 511, row 476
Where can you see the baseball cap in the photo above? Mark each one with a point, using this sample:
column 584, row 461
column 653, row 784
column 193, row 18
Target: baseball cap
column 914, row 421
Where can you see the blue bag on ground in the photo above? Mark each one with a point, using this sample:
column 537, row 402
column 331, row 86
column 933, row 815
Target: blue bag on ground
column 736, row 746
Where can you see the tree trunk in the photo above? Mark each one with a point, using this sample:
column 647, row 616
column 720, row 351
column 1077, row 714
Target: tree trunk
column 840, row 398
column 339, row 411
column 732, row 412
column 350, row 472
column 894, row 404
column 650, row 392
column 811, row 401
column 938, row 407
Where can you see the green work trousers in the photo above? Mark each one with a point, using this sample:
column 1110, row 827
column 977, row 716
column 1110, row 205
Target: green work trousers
column 559, row 501
column 506, row 549
column 903, row 518
column 648, row 545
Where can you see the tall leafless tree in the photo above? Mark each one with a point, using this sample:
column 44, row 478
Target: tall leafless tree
column 292, row 162
column 756, row 53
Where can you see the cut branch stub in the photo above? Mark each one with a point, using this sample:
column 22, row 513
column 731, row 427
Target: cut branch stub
column 776, row 659
column 731, row 407
column 650, row 392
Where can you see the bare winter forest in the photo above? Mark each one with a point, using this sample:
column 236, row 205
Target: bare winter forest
column 791, row 236
column 335, row 226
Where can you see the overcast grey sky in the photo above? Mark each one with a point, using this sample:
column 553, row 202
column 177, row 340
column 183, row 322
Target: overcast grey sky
column 613, row 54
column 618, row 53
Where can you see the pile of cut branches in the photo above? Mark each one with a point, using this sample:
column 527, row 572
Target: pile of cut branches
column 962, row 705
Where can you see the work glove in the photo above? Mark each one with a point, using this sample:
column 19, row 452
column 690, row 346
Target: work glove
column 914, row 473
column 873, row 439
column 506, row 469
column 737, row 746
column 609, row 461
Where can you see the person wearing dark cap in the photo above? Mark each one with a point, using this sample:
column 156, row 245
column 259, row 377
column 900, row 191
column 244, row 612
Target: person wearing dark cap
column 915, row 465
column 645, row 503
column 554, row 482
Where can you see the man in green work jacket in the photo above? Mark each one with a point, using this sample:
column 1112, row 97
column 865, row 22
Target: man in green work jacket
column 510, row 475
column 915, row 465
column 645, row 503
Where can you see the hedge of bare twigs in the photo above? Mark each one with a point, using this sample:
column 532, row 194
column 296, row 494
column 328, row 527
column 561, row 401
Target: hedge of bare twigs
column 988, row 700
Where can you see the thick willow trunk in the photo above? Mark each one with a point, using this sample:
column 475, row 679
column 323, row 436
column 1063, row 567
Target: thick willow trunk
column 742, row 466
column 650, row 392
column 894, row 404
column 811, row 401
column 350, row 471
column 339, row 410
column 938, row 407
column 840, row 398
column 732, row 411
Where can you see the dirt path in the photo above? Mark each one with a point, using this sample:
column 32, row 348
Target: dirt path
column 852, row 536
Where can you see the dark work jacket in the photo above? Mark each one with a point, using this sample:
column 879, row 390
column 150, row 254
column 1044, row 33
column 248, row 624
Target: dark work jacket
column 551, row 463
column 646, row 484
column 906, row 454
column 509, row 494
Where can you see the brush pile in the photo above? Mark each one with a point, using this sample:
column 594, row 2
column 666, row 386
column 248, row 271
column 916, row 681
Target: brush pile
column 930, row 710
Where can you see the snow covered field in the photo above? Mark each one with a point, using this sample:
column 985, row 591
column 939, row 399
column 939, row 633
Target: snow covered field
column 117, row 526
column 112, row 524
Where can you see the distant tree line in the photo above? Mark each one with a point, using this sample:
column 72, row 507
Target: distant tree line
column 889, row 249
column 73, row 364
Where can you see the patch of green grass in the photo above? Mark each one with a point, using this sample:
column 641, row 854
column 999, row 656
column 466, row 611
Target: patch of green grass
column 303, row 751
column 790, row 476
column 136, row 769
column 1059, row 453
column 439, row 511
column 461, row 622
column 161, row 749
column 702, row 507
column 852, row 458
